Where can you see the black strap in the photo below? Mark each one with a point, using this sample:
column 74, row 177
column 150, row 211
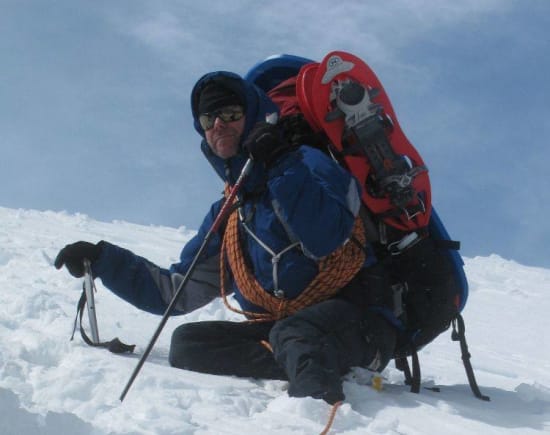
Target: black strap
column 411, row 378
column 415, row 384
column 402, row 364
column 114, row 346
column 459, row 335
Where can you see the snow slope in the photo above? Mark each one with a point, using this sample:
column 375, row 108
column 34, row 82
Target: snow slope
column 50, row 385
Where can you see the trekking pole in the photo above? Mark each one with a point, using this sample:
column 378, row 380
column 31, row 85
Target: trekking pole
column 89, row 290
column 224, row 212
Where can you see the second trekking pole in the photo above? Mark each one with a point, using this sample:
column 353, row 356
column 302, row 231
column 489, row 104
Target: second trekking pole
column 222, row 215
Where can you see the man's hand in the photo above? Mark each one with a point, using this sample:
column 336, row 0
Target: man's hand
column 265, row 143
column 73, row 257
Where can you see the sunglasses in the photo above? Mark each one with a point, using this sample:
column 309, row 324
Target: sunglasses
column 226, row 114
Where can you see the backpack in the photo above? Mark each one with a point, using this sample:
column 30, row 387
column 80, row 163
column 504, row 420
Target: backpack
column 340, row 106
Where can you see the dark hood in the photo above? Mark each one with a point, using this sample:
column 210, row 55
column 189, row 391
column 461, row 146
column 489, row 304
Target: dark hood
column 257, row 107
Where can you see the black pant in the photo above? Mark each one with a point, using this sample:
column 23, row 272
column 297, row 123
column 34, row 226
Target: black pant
column 312, row 349
column 225, row 348
column 321, row 343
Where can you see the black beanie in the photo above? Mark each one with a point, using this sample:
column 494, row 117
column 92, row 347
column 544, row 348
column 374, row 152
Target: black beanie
column 215, row 96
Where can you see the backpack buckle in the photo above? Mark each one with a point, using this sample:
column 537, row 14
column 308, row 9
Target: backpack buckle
column 406, row 242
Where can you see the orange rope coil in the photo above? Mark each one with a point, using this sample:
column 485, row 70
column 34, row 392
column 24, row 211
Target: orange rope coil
column 335, row 271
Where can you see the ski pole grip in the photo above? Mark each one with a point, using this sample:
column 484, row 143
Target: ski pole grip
column 232, row 194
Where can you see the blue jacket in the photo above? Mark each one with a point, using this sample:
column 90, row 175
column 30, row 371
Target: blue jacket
column 304, row 196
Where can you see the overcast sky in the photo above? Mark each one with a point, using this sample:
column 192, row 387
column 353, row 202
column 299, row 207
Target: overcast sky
column 94, row 102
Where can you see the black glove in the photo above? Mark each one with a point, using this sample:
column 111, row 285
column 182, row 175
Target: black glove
column 73, row 257
column 265, row 143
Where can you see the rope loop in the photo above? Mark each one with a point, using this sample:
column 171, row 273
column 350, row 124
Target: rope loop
column 335, row 271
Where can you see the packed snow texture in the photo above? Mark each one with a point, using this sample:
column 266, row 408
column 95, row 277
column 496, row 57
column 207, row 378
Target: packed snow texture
column 51, row 385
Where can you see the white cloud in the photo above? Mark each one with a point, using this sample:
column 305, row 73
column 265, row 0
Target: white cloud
column 248, row 28
column 163, row 31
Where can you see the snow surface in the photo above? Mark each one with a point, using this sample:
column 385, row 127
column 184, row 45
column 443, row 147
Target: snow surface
column 51, row 385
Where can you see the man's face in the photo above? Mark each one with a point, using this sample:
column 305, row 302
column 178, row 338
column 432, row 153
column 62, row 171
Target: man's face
column 224, row 137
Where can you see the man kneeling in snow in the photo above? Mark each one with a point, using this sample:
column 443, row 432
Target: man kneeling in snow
column 286, row 253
